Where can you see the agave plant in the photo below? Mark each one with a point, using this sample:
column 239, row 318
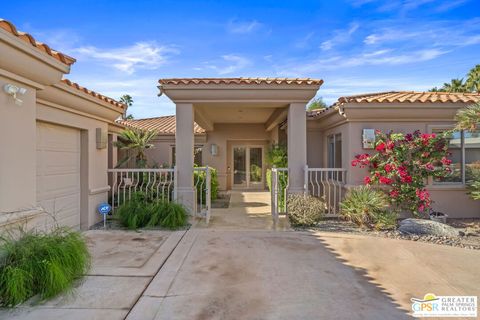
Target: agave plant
column 135, row 142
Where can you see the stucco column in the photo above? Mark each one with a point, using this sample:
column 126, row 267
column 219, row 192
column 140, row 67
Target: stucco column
column 297, row 146
column 184, row 139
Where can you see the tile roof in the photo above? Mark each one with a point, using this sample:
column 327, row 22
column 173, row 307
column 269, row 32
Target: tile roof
column 412, row 97
column 163, row 125
column 94, row 94
column 9, row 27
column 276, row 81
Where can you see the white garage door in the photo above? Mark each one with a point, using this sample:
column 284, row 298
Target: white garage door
column 58, row 172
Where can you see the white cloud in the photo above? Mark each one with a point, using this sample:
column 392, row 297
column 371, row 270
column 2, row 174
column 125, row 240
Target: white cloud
column 242, row 27
column 141, row 55
column 340, row 36
column 231, row 63
column 379, row 57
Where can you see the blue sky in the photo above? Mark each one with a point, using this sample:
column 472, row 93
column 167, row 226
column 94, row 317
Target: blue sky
column 356, row 46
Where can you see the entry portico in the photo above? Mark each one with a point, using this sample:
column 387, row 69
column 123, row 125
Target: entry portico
column 238, row 112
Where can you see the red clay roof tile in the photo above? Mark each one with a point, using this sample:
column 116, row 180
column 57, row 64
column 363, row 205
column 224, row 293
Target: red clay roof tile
column 9, row 27
column 163, row 125
column 94, row 94
column 247, row 81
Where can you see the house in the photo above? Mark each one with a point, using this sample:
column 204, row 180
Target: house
column 230, row 123
column 55, row 133
column 57, row 136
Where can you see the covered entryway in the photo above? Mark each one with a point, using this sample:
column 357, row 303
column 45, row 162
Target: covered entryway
column 58, row 172
column 233, row 110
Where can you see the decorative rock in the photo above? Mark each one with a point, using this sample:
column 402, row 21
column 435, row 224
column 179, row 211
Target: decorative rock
column 427, row 227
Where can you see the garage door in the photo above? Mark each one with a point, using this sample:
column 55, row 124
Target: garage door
column 58, row 172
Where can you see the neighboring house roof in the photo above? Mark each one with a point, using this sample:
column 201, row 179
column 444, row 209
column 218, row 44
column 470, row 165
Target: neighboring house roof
column 94, row 94
column 9, row 27
column 163, row 125
column 411, row 97
column 279, row 81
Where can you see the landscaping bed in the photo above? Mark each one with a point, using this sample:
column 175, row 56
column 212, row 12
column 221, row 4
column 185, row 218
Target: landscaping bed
column 469, row 230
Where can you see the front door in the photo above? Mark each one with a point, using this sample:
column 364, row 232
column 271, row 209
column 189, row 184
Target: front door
column 248, row 167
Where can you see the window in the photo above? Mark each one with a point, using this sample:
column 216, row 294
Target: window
column 197, row 155
column 334, row 152
column 464, row 148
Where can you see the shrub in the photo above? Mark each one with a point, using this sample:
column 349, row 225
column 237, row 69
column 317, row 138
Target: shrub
column 403, row 162
column 41, row 263
column 304, row 211
column 144, row 211
column 368, row 207
column 199, row 178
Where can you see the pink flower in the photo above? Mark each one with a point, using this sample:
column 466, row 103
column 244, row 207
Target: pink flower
column 385, row 180
column 394, row 194
column 367, row 180
column 429, row 167
column 390, row 145
column 406, row 179
column 446, row 161
column 380, row 147
column 389, row 167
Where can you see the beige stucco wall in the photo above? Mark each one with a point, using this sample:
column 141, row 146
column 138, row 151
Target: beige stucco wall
column 17, row 159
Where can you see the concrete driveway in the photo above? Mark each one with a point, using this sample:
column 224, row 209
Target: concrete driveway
column 233, row 271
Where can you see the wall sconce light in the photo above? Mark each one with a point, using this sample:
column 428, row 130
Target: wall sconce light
column 13, row 91
column 213, row 149
column 368, row 137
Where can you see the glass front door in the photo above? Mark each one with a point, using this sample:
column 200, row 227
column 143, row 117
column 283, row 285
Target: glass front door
column 247, row 167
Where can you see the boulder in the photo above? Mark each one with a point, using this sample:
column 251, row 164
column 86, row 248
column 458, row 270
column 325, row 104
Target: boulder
column 427, row 227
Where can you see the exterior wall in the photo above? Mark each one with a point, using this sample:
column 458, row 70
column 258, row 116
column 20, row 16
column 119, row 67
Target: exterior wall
column 314, row 148
column 17, row 160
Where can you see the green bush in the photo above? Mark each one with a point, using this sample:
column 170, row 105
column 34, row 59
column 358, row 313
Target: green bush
column 144, row 211
column 368, row 207
column 304, row 211
column 199, row 178
column 41, row 263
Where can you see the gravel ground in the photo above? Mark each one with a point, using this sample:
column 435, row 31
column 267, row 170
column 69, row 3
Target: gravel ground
column 469, row 228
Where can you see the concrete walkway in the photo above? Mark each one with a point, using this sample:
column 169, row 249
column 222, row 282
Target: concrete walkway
column 242, row 268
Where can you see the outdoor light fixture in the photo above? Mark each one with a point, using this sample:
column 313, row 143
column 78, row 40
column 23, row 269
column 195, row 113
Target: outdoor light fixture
column 13, row 91
column 213, row 149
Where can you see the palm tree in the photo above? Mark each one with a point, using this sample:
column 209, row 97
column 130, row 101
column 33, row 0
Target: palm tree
column 135, row 142
column 468, row 118
column 473, row 79
column 455, row 85
column 128, row 101
column 316, row 104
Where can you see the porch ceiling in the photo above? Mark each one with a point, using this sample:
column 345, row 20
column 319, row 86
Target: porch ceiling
column 236, row 112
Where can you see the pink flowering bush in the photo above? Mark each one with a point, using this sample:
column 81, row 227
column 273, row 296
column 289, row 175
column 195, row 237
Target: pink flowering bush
column 402, row 163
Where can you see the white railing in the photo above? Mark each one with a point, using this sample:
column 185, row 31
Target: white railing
column 203, row 197
column 278, row 192
column 158, row 184
column 327, row 184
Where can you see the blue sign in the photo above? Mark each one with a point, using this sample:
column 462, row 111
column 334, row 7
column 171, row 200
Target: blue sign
column 104, row 208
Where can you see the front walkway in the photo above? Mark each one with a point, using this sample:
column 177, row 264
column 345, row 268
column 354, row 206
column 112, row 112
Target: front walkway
column 247, row 210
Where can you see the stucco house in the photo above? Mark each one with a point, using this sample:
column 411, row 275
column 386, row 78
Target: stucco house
column 231, row 122
column 57, row 145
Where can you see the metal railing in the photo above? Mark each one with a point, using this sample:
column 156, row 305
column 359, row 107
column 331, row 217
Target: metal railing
column 327, row 184
column 202, row 184
column 279, row 187
column 158, row 184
